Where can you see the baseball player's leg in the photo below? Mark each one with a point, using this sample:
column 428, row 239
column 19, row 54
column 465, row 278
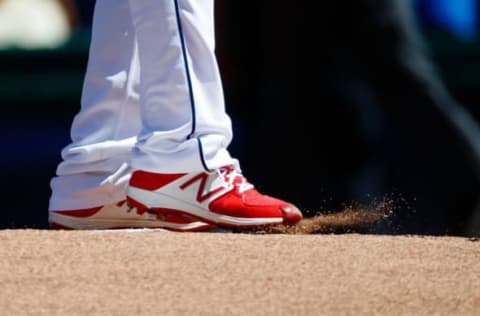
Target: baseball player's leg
column 89, row 189
column 181, row 95
column 94, row 169
column 181, row 159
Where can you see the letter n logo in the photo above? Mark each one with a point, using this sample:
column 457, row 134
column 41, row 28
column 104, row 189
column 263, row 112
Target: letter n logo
column 201, row 195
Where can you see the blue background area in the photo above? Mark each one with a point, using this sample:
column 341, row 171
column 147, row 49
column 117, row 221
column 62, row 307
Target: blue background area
column 460, row 17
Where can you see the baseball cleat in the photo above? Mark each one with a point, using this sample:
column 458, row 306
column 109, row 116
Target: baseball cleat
column 223, row 198
column 121, row 215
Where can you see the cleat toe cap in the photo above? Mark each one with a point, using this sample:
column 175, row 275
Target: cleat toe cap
column 291, row 214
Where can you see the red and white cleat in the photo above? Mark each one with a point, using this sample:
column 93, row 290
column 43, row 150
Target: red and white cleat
column 121, row 215
column 223, row 198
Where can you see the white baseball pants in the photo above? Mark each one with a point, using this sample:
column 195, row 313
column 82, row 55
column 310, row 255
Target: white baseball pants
column 152, row 99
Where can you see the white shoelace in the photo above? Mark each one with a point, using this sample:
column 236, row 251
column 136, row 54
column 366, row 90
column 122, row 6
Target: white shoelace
column 230, row 174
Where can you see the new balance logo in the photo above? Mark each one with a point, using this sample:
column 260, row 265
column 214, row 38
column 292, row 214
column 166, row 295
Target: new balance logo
column 201, row 194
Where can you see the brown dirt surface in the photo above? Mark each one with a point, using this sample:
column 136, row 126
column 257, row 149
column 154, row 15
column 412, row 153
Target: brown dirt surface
column 290, row 272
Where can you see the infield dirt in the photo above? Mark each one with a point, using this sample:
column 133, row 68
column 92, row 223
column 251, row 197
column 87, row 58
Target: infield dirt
column 152, row 272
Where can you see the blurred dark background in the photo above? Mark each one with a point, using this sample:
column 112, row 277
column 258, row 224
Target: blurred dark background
column 325, row 111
